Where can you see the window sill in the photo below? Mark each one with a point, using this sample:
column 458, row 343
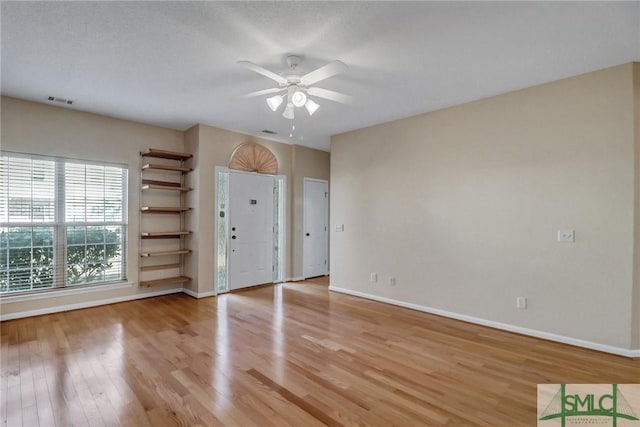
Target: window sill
column 63, row 292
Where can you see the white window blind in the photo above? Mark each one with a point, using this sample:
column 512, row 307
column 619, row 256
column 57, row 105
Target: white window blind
column 62, row 223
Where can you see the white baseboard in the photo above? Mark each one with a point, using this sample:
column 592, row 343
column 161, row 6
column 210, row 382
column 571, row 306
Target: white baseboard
column 498, row 325
column 63, row 292
column 87, row 304
column 198, row 294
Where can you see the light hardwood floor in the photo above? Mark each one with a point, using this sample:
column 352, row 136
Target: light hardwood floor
column 284, row 355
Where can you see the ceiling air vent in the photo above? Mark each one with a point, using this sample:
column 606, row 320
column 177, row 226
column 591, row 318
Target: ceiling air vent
column 60, row 100
column 269, row 132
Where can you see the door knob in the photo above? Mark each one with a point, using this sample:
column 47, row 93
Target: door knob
column 308, row 234
column 233, row 237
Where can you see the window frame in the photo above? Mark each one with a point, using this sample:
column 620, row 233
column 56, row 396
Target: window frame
column 60, row 227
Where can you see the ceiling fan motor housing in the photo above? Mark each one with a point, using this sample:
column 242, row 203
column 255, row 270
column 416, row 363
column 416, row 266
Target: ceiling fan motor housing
column 292, row 76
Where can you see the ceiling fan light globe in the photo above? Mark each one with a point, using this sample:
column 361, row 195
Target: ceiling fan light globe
column 288, row 112
column 299, row 98
column 274, row 102
column 311, row 106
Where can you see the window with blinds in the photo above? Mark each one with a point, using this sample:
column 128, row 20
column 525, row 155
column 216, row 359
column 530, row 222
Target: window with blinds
column 62, row 223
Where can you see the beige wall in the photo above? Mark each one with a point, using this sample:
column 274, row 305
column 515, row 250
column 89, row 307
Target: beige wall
column 30, row 127
column 307, row 163
column 41, row 129
column 462, row 206
column 635, row 300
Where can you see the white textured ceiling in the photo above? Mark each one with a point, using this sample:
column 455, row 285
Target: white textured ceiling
column 173, row 64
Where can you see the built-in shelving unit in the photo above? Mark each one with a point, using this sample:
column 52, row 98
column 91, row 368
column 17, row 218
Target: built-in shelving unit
column 162, row 210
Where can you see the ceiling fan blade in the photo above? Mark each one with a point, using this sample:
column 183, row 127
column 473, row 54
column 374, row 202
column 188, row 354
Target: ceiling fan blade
column 264, row 92
column 331, row 69
column 330, row 95
column 261, row 70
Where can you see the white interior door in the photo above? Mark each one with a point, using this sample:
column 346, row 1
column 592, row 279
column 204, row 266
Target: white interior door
column 250, row 229
column 315, row 253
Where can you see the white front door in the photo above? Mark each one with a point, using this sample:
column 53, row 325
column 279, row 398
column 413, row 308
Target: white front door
column 316, row 214
column 250, row 229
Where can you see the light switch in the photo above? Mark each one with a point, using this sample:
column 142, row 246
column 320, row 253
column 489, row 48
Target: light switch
column 566, row 236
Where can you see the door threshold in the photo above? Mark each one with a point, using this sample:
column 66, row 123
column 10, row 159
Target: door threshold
column 249, row 288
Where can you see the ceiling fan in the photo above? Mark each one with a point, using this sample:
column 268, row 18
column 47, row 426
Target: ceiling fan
column 297, row 88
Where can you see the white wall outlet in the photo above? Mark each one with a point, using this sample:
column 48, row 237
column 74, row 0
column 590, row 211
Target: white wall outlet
column 339, row 228
column 521, row 303
column 566, row 236
column 392, row 281
column 373, row 278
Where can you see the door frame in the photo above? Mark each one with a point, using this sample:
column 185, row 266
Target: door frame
column 323, row 181
column 282, row 232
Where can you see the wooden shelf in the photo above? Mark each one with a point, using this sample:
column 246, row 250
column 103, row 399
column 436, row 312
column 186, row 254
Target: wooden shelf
column 165, row 253
column 157, row 166
column 164, row 209
column 164, row 234
column 165, row 187
column 165, row 183
column 164, row 154
column 154, row 181
column 165, row 281
column 159, row 267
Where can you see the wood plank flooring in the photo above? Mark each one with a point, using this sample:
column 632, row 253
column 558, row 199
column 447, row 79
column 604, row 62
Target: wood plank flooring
column 285, row 355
